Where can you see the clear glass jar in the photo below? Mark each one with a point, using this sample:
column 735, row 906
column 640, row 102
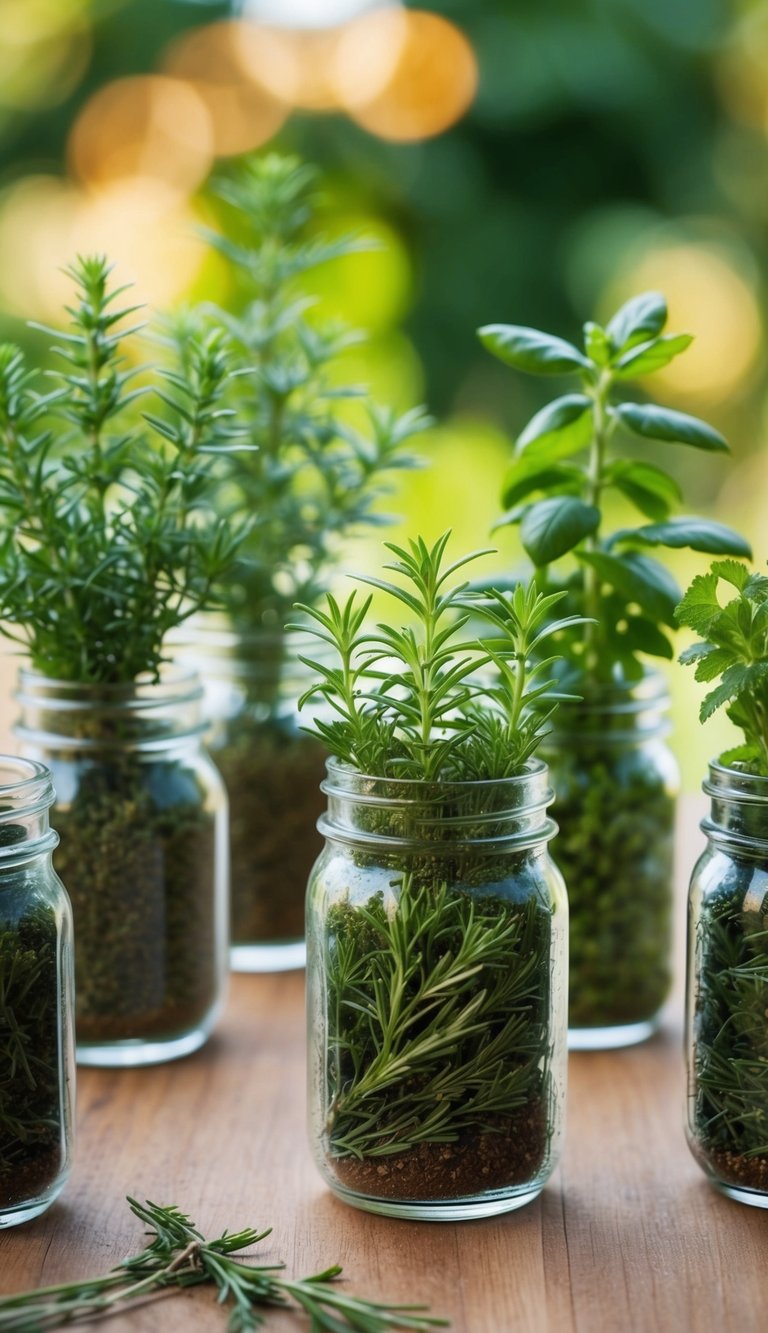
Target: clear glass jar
column 616, row 783
column 437, row 936
column 727, row 992
column 142, row 815
column 272, row 770
column 37, row 1074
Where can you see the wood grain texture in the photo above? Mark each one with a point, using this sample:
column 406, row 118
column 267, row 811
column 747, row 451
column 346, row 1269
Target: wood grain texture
column 627, row 1238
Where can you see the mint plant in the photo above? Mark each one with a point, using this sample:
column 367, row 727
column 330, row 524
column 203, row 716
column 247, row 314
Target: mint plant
column 728, row 950
column 566, row 465
column 733, row 650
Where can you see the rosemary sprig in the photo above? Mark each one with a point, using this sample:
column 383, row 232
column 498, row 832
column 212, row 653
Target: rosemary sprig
column 178, row 1256
column 431, row 700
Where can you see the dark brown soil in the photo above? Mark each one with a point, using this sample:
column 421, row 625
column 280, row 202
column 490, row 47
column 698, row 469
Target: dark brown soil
column 273, row 779
column 511, row 1153
column 735, row 1169
column 28, row 1179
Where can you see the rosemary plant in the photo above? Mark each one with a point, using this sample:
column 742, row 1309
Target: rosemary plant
column 729, row 918
column 109, row 541
column 433, row 916
column 615, row 786
column 315, row 477
column 177, row 1257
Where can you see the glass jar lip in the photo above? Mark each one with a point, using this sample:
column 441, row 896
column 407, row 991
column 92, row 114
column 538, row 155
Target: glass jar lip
column 36, row 774
column 619, row 696
column 533, row 768
column 176, row 684
column 732, row 781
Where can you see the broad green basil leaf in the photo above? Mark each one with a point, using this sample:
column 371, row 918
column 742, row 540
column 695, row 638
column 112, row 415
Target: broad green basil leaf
column 650, row 356
column 597, row 343
column 645, row 637
column 641, row 318
column 553, row 527
column 559, row 430
column 700, row 534
column 652, row 491
column 524, row 477
column 639, row 579
column 663, row 423
column 531, row 350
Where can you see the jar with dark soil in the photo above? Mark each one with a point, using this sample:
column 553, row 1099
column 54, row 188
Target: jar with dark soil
column 272, row 771
column 616, row 783
column 36, row 1000
column 142, row 815
column 436, row 977
column 727, row 996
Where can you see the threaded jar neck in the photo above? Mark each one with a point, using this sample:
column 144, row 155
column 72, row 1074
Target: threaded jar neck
column 142, row 714
column 26, row 795
column 404, row 813
column 738, row 814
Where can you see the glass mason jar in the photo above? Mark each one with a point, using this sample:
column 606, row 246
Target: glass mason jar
column 727, row 993
column 616, row 783
column 142, row 814
column 36, row 999
column 272, row 770
column 437, row 936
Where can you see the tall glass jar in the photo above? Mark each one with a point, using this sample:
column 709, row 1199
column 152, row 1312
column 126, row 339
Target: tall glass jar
column 142, row 815
column 727, row 994
column 616, row 783
column 272, row 770
column 437, row 935
column 36, row 999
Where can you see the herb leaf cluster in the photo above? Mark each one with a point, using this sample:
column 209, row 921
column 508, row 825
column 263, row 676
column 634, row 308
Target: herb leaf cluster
column 178, row 1256
column 565, row 465
column 312, row 478
column 432, row 700
column 733, row 650
column 108, row 538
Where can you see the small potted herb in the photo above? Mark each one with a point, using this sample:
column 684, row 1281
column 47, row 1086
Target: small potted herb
column 108, row 544
column 615, row 778
column 727, row 1011
column 36, row 999
column 306, row 480
column 436, row 922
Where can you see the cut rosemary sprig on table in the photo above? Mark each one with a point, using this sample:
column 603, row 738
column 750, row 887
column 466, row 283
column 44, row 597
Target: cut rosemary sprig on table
column 178, row 1256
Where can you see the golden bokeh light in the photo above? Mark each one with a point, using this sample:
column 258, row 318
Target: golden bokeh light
column 45, row 221
column 291, row 64
column 741, row 69
column 214, row 60
column 44, row 51
column 404, row 74
column 708, row 297
column 148, row 126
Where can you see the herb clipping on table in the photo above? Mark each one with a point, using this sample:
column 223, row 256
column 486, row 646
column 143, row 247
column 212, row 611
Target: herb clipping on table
column 315, row 479
column 728, row 951
column 110, row 540
column 178, row 1257
column 615, row 798
column 435, row 980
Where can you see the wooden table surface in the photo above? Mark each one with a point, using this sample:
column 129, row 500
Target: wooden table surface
column 627, row 1237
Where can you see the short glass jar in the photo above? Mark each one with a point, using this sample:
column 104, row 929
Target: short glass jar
column 616, row 783
column 142, row 815
column 37, row 1072
column 272, row 770
column 437, row 935
column 727, row 992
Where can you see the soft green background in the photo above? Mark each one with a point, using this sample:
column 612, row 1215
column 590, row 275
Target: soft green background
column 612, row 145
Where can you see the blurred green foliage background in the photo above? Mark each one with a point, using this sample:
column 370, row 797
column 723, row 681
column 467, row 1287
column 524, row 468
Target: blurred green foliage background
column 527, row 164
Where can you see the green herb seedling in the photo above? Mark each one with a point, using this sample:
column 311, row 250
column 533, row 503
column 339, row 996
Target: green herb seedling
column 734, row 651
column 565, row 464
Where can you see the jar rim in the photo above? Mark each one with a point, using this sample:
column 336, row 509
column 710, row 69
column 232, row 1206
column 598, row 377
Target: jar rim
column 176, row 683
column 616, row 697
column 730, row 780
column 533, row 768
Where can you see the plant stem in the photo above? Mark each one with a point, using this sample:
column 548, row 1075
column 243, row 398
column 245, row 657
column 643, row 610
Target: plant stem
column 592, row 583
